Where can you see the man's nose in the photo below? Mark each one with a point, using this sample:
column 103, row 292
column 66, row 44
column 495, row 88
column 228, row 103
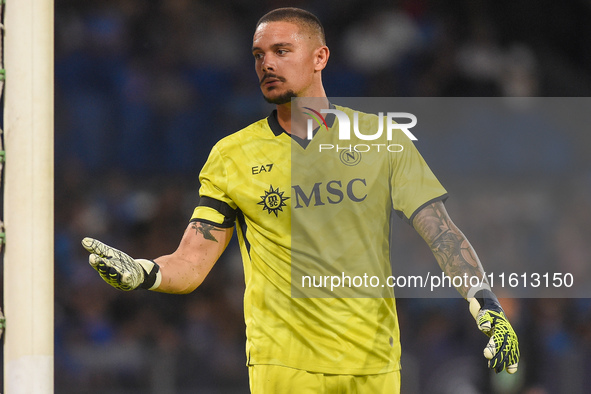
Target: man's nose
column 267, row 64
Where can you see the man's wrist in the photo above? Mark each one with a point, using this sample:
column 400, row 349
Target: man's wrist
column 475, row 289
column 482, row 298
column 152, row 274
column 488, row 300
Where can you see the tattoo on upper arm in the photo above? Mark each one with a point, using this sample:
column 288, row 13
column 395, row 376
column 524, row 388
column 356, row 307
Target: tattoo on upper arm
column 205, row 229
column 452, row 250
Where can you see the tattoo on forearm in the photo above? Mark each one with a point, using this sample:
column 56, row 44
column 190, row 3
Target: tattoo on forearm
column 452, row 250
column 205, row 229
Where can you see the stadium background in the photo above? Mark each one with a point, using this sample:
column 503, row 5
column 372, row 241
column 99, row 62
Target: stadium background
column 144, row 88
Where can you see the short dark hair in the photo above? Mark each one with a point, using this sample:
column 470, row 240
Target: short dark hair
column 298, row 16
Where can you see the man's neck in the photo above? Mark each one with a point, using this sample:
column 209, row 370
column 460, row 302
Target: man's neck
column 298, row 128
column 284, row 116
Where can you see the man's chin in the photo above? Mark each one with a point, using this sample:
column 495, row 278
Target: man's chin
column 282, row 98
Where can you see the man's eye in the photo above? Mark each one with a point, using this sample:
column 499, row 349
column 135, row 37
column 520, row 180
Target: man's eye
column 258, row 56
column 282, row 51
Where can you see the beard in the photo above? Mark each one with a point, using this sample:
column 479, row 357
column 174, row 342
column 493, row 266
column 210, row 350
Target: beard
column 281, row 99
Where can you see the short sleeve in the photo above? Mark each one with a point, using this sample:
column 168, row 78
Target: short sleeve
column 413, row 184
column 215, row 206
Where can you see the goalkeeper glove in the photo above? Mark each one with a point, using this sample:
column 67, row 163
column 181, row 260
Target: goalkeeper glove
column 119, row 270
column 502, row 350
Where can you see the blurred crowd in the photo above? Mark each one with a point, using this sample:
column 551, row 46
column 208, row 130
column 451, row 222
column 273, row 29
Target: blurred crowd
column 144, row 88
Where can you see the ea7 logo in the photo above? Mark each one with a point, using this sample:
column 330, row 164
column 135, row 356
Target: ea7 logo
column 345, row 124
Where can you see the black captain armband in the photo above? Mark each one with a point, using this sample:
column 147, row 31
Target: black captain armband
column 226, row 210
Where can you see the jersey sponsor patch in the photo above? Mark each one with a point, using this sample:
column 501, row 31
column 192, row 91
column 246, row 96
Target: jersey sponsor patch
column 273, row 201
column 334, row 192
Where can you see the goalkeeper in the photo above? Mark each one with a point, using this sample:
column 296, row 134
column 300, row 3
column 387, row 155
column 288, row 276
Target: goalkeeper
column 310, row 345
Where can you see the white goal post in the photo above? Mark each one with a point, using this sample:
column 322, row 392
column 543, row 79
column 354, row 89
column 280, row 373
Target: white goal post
column 28, row 196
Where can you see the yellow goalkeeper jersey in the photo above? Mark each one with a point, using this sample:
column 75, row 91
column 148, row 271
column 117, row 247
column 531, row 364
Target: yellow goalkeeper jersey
column 307, row 214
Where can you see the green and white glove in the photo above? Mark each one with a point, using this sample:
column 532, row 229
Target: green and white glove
column 119, row 270
column 502, row 350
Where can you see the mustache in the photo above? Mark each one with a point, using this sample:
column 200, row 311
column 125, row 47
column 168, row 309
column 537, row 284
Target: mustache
column 274, row 76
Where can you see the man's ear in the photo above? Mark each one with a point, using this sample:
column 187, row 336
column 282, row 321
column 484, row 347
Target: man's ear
column 321, row 57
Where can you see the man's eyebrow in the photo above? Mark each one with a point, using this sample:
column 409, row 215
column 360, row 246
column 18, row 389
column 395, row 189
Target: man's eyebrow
column 275, row 46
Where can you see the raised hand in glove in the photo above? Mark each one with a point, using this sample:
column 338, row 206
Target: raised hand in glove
column 502, row 350
column 119, row 270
